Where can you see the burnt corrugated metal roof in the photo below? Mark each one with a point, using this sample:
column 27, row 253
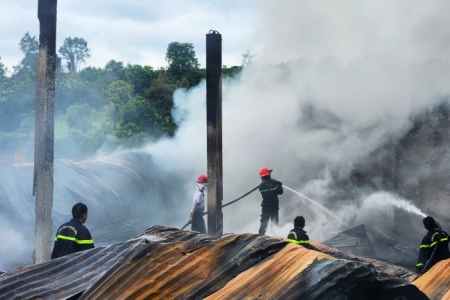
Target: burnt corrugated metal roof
column 364, row 241
column 166, row 263
column 435, row 283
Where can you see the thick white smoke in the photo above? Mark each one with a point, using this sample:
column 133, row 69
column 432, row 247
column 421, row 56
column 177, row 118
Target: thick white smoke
column 333, row 82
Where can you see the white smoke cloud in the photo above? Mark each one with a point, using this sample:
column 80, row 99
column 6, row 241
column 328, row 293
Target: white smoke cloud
column 332, row 83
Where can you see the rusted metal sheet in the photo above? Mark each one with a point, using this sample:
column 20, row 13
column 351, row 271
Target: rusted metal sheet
column 435, row 283
column 298, row 273
column 183, row 270
column 166, row 263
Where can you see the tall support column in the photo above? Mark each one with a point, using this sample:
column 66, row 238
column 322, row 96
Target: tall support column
column 214, row 132
column 44, row 130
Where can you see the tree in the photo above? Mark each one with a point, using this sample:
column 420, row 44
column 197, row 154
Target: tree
column 160, row 98
column 78, row 116
column 115, row 69
column 182, row 62
column 29, row 45
column 140, row 77
column 74, row 51
column 135, row 116
column 118, row 93
column 2, row 70
column 248, row 59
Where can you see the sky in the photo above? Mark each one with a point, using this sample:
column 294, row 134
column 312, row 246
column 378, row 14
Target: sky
column 135, row 32
column 333, row 81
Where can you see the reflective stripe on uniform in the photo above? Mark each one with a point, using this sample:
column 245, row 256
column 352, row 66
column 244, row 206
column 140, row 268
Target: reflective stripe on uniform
column 419, row 265
column 69, row 238
column 297, row 242
column 294, row 233
column 268, row 190
column 433, row 243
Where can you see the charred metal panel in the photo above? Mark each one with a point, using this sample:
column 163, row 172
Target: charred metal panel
column 363, row 241
column 183, row 270
column 298, row 273
column 214, row 132
column 64, row 277
column 166, row 263
column 435, row 283
column 390, row 269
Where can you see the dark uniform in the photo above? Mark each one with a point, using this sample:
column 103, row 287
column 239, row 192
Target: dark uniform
column 270, row 189
column 71, row 237
column 299, row 236
column 427, row 246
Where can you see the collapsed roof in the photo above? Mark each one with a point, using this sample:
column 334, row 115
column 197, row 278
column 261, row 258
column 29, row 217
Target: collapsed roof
column 166, row 263
column 364, row 241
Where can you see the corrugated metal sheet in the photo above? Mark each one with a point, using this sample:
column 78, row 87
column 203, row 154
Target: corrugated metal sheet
column 166, row 263
column 394, row 270
column 124, row 186
column 298, row 273
column 436, row 282
column 364, row 241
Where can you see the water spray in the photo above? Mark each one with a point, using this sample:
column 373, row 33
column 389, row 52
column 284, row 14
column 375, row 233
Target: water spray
column 394, row 200
column 319, row 206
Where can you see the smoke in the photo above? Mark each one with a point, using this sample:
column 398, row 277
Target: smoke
column 332, row 84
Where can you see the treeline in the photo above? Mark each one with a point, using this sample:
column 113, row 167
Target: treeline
column 117, row 105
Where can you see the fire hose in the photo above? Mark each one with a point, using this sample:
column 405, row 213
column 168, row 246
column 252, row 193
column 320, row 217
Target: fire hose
column 226, row 204
column 428, row 263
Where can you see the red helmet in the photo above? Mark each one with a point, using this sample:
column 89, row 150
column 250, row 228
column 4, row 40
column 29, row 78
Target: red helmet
column 265, row 172
column 202, row 179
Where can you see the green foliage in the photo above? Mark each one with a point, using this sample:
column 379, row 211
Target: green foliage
column 231, row 72
column 117, row 94
column 74, row 51
column 2, row 71
column 115, row 70
column 134, row 117
column 16, row 99
column 70, row 89
column 160, row 98
column 140, row 77
column 114, row 106
column 29, row 44
column 78, row 116
column 183, row 63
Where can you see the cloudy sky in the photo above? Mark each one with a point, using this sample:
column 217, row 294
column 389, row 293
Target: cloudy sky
column 135, row 32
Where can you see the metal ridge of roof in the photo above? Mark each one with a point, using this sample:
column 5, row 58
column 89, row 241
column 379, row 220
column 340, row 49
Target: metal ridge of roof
column 435, row 283
column 166, row 263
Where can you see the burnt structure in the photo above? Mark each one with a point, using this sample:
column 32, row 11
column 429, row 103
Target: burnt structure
column 166, row 263
column 214, row 131
column 44, row 129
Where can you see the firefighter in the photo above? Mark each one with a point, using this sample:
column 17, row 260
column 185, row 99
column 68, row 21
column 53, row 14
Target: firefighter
column 73, row 236
column 270, row 189
column 434, row 238
column 298, row 236
column 198, row 208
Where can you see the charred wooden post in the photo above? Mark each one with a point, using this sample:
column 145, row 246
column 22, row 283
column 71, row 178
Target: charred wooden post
column 214, row 131
column 44, row 129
